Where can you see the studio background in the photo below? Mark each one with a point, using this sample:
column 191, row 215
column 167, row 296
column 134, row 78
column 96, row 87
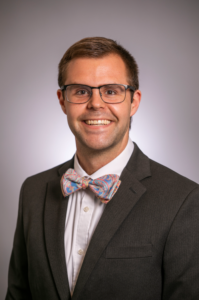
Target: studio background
column 163, row 38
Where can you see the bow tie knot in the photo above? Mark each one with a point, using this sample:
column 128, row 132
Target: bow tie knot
column 104, row 187
column 85, row 182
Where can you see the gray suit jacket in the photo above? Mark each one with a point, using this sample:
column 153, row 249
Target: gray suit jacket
column 145, row 247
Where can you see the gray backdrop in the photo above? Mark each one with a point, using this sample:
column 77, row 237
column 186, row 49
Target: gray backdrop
column 162, row 36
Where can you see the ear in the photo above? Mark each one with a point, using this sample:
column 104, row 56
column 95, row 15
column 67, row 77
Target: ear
column 62, row 102
column 135, row 102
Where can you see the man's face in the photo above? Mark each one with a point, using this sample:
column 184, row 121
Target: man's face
column 96, row 72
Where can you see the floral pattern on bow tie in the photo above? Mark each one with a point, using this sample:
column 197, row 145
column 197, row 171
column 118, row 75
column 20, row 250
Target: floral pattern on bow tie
column 104, row 187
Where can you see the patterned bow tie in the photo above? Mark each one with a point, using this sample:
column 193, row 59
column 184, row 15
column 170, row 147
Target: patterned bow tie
column 104, row 187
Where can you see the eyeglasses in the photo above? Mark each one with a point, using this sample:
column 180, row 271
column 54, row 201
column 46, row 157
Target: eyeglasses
column 109, row 93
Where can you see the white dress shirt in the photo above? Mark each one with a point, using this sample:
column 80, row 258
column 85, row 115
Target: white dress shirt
column 83, row 214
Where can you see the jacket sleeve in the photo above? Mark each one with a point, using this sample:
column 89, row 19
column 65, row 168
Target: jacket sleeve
column 181, row 255
column 18, row 285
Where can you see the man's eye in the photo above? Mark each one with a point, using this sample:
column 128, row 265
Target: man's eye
column 81, row 92
column 110, row 92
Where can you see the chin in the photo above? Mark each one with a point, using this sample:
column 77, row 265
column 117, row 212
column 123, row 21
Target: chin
column 97, row 145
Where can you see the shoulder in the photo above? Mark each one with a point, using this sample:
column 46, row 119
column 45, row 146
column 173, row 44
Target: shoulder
column 36, row 184
column 46, row 175
column 146, row 169
column 170, row 189
column 162, row 184
column 167, row 176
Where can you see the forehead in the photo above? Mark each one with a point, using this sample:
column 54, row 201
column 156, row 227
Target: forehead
column 97, row 71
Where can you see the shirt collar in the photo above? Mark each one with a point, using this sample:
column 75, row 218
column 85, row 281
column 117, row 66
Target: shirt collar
column 115, row 166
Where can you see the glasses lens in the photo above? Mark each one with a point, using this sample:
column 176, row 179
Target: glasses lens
column 78, row 93
column 113, row 93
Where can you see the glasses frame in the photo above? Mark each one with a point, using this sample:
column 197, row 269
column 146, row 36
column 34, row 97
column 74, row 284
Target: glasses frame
column 64, row 87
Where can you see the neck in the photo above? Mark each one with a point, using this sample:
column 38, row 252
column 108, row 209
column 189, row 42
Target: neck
column 92, row 160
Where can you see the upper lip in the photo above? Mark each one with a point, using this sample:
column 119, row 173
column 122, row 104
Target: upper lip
column 96, row 118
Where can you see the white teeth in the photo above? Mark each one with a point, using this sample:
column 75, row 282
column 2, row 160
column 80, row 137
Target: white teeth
column 98, row 122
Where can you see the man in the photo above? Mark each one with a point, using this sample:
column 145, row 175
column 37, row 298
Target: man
column 71, row 239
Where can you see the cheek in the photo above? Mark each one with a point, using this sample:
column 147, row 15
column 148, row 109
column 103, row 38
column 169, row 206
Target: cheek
column 71, row 117
column 122, row 111
column 72, row 123
column 73, row 114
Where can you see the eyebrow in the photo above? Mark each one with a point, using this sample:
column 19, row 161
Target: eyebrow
column 97, row 86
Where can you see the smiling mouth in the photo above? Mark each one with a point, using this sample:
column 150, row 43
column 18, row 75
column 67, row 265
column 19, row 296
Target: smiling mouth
column 97, row 122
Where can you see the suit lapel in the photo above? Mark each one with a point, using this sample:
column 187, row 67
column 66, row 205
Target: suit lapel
column 54, row 225
column 115, row 213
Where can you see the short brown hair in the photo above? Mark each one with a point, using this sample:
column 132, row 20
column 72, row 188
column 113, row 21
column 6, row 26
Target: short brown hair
column 96, row 47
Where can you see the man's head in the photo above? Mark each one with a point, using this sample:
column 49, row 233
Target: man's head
column 98, row 125
column 97, row 47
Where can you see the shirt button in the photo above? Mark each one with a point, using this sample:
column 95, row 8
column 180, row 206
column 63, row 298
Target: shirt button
column 86, row 209
column 80, row 252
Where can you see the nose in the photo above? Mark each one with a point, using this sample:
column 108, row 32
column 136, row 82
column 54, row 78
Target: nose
column 95, row 101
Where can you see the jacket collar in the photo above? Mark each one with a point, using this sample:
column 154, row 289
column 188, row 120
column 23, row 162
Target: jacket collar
column 69, row 164
column 138, row 164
